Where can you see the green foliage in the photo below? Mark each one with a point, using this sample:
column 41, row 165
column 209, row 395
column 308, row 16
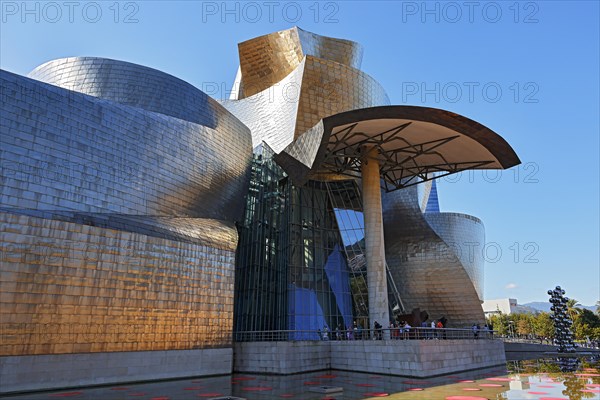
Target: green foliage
column 586, row 324
column 543, row 325
column 539, row 325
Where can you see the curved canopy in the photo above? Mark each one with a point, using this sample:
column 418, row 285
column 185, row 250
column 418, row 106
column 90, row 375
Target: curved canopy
column 413, row 143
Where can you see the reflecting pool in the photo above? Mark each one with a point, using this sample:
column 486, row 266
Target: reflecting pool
column 545, row 379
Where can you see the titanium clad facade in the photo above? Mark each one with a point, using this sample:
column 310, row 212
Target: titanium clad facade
column 63, row 150
column 117, row 215
column 266, row 60
column 291, row 79
column 137, row 214
column 428, row 257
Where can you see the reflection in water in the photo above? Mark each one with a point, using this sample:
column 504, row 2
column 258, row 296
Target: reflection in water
column 560, row 378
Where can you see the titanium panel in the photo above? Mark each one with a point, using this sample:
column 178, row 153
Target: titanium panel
column 427, row 266
column 74, row 288
column 266, row 60
column 137, row 86
column 62, row 150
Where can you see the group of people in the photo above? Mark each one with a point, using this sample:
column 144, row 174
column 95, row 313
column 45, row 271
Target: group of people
column 478, row 331
column 397, row 330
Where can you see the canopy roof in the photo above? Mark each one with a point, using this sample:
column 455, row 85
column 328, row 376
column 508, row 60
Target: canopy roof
column 413, row 143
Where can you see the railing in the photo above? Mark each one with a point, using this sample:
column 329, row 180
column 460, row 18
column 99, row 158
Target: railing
column 413, row 333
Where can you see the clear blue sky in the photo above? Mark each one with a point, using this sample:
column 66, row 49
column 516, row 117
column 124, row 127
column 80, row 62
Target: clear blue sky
column 527, row 70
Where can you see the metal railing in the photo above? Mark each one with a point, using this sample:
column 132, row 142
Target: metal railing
column 413, row 333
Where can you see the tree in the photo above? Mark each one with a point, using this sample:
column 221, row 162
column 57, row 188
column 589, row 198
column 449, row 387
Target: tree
column 572, row 308
column 524, row 324
column 586, row 324
column 543, row 325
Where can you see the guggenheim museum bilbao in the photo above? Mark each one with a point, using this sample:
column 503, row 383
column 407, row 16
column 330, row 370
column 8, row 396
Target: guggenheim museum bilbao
column 146, row 225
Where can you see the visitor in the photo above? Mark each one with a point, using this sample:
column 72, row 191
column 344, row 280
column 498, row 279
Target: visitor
column 393, row 330
column 423, row 332
column 401, row 330
column 407, row 330
column 444, row 322
column 486, row 331
column 377, row 334
column 433, row 332
column 475, row 329
column 325, row 332
column 339, row 332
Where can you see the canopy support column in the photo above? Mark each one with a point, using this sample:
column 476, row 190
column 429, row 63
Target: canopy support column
column 374, row 242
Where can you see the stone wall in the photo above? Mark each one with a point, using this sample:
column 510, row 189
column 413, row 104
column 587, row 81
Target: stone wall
column 281, row 357
column 416, row 358
column 68, row 370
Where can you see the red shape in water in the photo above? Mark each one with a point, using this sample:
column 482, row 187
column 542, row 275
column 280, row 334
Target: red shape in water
column 498, row 379
column 308, row 383
column 465, row 398
column 590, row 390
column 243, row 378
column 465, row 381
column 194, row 388
column 326, row 376
column 119, row 388
column 415, row 389
column 160, row 398
column 365, row 384
column 532, row 392
column 553, row 398
column 286, row 395
column 257, row 388
column 490, row 385
column 66, row 394
column 209, row 394
column 377, row 394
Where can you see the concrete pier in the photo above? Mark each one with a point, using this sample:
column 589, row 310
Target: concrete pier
column 374, row 241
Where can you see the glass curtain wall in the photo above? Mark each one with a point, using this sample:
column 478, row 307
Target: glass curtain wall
column 292, row 269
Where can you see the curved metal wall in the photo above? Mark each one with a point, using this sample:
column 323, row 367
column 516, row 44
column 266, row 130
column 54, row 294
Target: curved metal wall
column 79, row 153
column 315, row 89
column 138, row 86
column 427, row 270
column 117, row 222
column 74, row 288
column 465, row 235
column 329, row 87
column 271, row 113
column 268, row 59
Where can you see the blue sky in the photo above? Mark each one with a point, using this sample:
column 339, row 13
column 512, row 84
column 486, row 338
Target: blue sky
column 527, row 70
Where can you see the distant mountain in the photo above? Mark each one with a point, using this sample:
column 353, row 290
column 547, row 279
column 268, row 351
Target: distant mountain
column 545, row 306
